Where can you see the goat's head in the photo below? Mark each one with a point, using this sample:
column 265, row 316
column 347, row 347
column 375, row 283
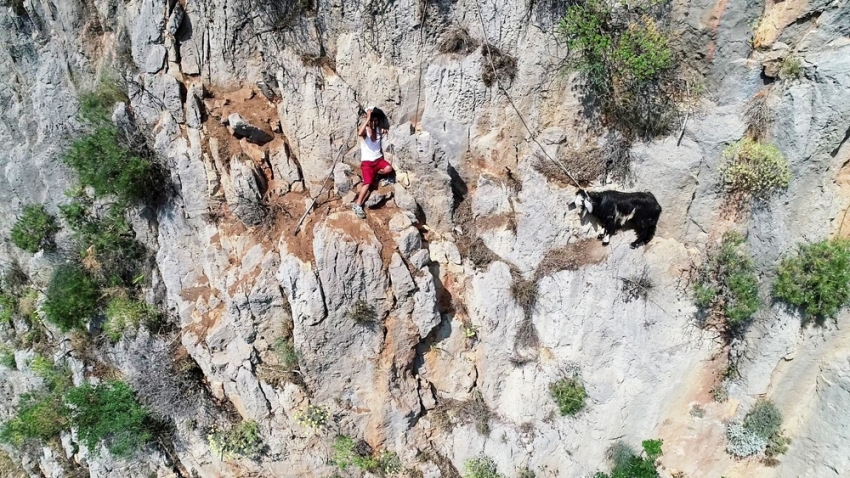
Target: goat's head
column 583, row 202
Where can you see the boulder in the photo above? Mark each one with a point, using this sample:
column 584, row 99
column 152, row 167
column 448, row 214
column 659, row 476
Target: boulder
column 242, row 129
column 155, row 59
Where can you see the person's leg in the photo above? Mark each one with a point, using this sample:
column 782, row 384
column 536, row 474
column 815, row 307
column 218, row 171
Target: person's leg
column 364, row 192
column 385, row 169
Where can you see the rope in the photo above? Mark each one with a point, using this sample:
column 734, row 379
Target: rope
column 511, row 101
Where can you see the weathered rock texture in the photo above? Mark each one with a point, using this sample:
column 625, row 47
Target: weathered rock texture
column 234, row 277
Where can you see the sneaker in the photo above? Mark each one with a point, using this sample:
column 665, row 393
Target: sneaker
column 388, row 180
column 358, row 209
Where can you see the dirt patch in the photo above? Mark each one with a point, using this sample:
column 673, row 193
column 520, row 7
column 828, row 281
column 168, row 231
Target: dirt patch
column 571, row 257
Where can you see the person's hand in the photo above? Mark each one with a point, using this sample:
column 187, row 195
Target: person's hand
column 369, row 113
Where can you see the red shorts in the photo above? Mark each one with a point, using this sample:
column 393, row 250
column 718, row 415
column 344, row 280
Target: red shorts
column 370, row 170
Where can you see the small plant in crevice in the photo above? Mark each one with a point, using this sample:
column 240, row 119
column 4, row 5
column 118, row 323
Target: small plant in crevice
column 314, row 417
column 348, row 451
column 791, row 67
column 726, row 284
column 34, row 229
column 637, row 286
column 754, row 169
column 525, row 472
column 72, row 297
column 8, row 307
column 816, row 279
column 569, row 394
column 505, row 66
column 524, row 292
column 481, row 467
column 625, row 463
column 124, row 313
column 7, row 358
column 363, row 313
column 242, row 439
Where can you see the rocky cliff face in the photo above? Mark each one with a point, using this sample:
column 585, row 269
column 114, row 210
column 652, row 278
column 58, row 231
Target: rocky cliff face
column 442, row 326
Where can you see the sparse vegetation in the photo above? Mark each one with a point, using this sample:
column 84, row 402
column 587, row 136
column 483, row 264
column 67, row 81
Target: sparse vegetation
column 791, row 68
column 8, row 306
column 569, row 394
column 481, row 467
column 457, row 41
column 817, row 278
column 727, row 283
column 108, row 412
column 35, row 229
column 105, row 243
column 243, row 439
column 504, row 65
column 637, row 286
column 96, row 105
column 760, row 432
column 524, row 293
column 754, row 168
column 626, row 62
column 313, row 416
column 124, row 313
column 758, row 115
column 72, row 298
column 525, row 472
column 277, row 15
column 7, row 358
column 475, row 412
column 347, row 452
column 39, row 417
column 626, row 464
column 363, row 313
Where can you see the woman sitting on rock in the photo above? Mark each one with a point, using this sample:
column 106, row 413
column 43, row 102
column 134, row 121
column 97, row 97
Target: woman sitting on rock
column 372, row 162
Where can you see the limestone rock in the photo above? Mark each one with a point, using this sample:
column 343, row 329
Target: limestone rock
column 175, row 19
column 155, row 59
column 242, row 129
column 285, row 169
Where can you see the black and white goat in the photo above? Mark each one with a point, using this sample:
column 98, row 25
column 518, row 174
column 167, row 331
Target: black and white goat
column 614, row 209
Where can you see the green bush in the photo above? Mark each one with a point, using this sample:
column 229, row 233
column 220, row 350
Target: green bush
column 727, row 281
column 754, row 168
column 72, row 298
column 109, row 412
column 105, row 243
column 8, row 306
column 110, row 168
column 315, row 417
column 57, row 379
column 626, row 464
column 35, row 229
column 39, row 417
column 286, row 353
column 569, row 394
column 481, row 467
column 243, row 439
column 791, row 68
column 626, row 63
column 96, row 106
column 347, row 452
column 764, row 419
column 123, row 313
column 7, row 358
column 817, row 278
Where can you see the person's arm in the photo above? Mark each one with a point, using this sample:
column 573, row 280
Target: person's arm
column 362, row 131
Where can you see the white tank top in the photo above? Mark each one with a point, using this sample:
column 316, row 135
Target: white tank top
column 371, row 150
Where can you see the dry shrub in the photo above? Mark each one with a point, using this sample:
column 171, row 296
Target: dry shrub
column 526, row 335
column 585, row 164
column 457, row 41
column 569, row 258
column 504, row 65
column 475, row 412
column 524, row 293
column 618, row 159
column 318, row 61
column 637, row 286
column 758, row 114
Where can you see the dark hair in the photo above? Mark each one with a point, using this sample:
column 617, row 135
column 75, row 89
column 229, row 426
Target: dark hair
column 381, row 117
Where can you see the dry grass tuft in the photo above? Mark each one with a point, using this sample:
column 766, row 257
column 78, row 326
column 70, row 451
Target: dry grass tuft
column 758, row 114
column 504, row 64
column 585, row 164
column 457, row 41
column 524, row 293
column 475, row 412
column 569, row 258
